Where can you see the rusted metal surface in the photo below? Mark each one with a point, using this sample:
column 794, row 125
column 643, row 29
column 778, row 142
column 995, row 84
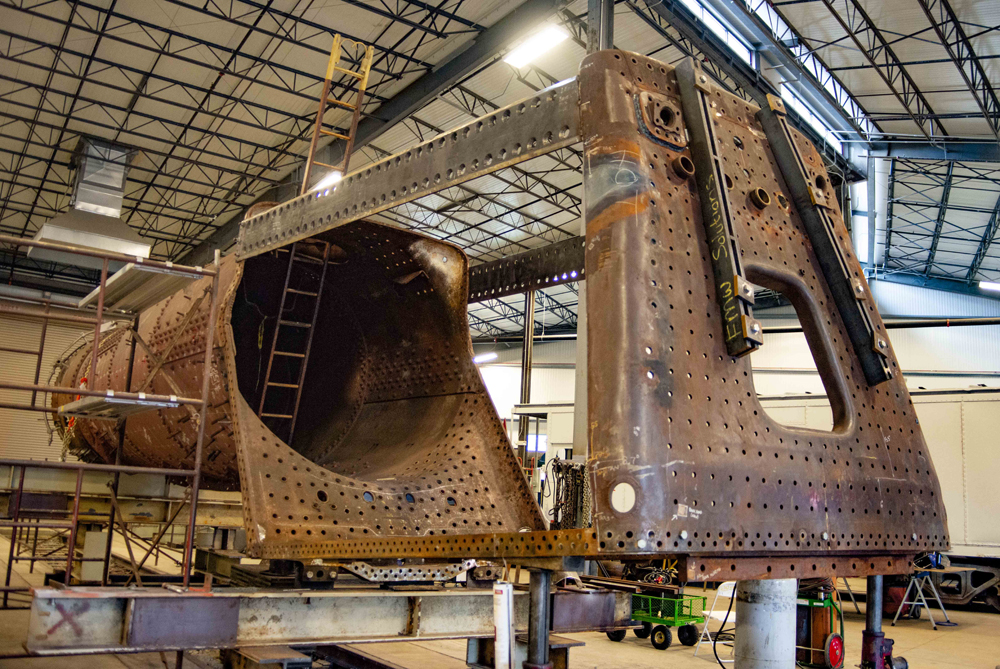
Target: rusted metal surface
column 399, row 452
column 694, row 568
column 165, row 438
column 397, row 435
column 550, row 265
column 673, row 417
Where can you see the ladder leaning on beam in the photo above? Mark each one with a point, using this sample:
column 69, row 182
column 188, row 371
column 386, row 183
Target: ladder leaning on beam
column 300, row 300
column 356, row 81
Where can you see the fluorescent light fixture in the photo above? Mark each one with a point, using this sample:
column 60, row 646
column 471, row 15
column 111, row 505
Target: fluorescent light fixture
column 484, row 357
column 537, row 45
column 327, row 181
column 989, row 285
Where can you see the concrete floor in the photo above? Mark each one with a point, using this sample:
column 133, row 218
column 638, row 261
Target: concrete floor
column 973, row 644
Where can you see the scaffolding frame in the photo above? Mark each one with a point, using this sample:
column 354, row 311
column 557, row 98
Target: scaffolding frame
column 44, row 310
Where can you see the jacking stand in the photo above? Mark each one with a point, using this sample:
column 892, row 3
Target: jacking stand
column 876, row 650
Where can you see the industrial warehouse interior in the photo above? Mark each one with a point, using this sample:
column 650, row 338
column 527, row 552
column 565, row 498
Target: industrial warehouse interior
column 541, row 334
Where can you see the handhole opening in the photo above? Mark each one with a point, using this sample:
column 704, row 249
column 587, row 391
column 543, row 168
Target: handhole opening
column 796, row 374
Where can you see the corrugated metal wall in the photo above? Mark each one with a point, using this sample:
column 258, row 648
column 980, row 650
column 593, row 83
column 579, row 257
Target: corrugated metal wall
column 23, row 434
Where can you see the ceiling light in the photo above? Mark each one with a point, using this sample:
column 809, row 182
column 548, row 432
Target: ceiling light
column 327, row 181
column 989, row 285
column 538, row 44
column 484, row 357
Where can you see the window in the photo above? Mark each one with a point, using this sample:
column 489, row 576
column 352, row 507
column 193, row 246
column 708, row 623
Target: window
column 714, row 23
column 793, row 101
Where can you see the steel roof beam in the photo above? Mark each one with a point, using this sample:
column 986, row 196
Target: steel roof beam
column 811, row 78
column 953, row 38
column 675, row 23
column 939, row 223
column 255, row 109
column 283, row 73
column 948, row 150
column 989, row 234
column 877, row 50
column 936, row 283
column 484, row 49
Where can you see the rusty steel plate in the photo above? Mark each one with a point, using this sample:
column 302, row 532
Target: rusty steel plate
column 397, row 436
column 675, row 423
column 164, row 438
column 399, row 452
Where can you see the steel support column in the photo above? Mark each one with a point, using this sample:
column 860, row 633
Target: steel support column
column 526, row 353
column 765, row 624
column 876, row 650
column 539, row 617
column 871, row 212
column 600, row 25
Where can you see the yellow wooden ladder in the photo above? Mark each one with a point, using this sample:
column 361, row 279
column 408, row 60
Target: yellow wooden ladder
column 356, row 81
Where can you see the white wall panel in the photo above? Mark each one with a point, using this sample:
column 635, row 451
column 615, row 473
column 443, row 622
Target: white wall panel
column 23, row 433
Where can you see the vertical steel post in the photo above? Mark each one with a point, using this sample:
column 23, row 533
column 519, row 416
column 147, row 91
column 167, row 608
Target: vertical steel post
column 14, row 518
column 871, row 211
column 873, row 604
column 539, row 612
column 600, row 25
column 118, row 456
column 527, row 350
column 38, row 363
column 71, row 541
column 765, row 624
column 206, row 376
column 876, row 650
column 92, row 379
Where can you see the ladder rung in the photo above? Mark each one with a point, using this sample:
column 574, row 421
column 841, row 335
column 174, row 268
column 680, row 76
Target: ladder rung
column 340, row 102
column 295, row 324
column 289, row 354
column 282, row 385
column 303, row 258
column 334, row 134
column 302, row 292
column 353, row 73
column 327, row 165
column 275, row 415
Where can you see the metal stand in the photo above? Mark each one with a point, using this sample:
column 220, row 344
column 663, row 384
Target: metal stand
column 850, row 592
column 917, row 584
column 95, row 403
column 765, row 628
column 539, row 614
column 876, row 650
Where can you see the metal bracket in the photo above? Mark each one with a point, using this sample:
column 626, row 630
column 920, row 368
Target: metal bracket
column 717, row 213
column 402, row 573
column 808, row 187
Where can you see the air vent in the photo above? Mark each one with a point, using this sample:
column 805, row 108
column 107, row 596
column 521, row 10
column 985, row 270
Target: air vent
column 93, row 222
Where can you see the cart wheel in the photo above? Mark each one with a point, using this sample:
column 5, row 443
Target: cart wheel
column 661, row 637
column 915, row 612
column 688, row 635
column 644, row 631
column 833, row 651
column 617, row 635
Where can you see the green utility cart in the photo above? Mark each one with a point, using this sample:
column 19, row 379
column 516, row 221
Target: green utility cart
column 659, row 614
